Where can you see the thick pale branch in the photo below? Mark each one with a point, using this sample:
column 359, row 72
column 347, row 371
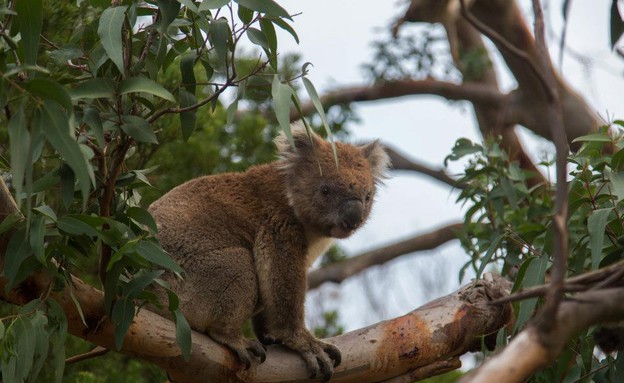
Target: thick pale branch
column 473, row 92
column 440, row 330
column 532, row 349
column 339, row 271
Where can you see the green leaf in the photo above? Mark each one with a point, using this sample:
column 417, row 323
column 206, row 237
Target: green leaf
column 30, row 15
column 269, row 32
column 596, row 224
column 188, row 119
column 281, row 104
column 46, row 211
column 183, row 334
column 37, row 233
column 594, row 137
column 19, row 145
column 617, row 25
column 18, row 250
column 74, row 226
column 139, row 129
column 25, row 345
column 122, row 315
column 169, row 10
column 190, row 5
column 489, row 253
column 137, row 284
column 285, row 26
column 47, row 89
column 109, row 30
column 58, row 132
column 617, row 182
column 155, row 254
column 187, row 63
column 143, row 217
column 269, row 7
column 95, row 88
column 9, row 221
column 212, row 4
column 42, row 344
column 316, row 101
column 67, row 183
column 145, row 85
column 231, row 112
column 63, row 55
column 245, row 14
column 534, row 275
column 257, row 37
column 57, row 318
column 91, row 117
column 219, row 37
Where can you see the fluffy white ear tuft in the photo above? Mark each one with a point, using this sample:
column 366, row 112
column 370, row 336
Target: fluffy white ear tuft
column 377, row 158
column 302, row 140
column 303, row 143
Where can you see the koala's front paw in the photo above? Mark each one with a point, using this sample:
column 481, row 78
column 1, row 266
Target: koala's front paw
column 320, row 357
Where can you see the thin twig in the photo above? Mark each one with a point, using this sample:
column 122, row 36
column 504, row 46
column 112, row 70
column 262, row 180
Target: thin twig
column 97, row 351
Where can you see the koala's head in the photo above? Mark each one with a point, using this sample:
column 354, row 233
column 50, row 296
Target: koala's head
column 334, row 200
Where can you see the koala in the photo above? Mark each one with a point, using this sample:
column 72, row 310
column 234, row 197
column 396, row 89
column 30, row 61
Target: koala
column 246, row 240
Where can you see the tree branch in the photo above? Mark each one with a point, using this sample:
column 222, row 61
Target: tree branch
column 443, row 329
column 474, row 92
column 339, row 271
column 532, row 349
column 401, row 162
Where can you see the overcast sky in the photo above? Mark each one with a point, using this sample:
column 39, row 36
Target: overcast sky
column 335, row 36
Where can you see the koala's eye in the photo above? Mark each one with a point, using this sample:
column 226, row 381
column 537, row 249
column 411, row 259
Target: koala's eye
column 325, row 191
column 368, row 196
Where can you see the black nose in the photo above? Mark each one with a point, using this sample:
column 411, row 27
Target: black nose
column 351, row 213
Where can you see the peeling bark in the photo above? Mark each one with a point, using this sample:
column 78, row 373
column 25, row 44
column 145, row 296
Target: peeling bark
column 415, row 343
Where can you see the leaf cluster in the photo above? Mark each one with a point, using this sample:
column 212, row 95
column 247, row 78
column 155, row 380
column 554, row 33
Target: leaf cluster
column 85, row 106
column 508, row 226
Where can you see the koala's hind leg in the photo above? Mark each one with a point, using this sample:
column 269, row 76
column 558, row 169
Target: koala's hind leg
column 219, row 294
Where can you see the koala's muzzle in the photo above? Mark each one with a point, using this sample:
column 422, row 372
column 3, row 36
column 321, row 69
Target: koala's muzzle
column 351, row 214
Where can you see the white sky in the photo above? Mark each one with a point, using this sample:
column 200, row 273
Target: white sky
column 335, row 36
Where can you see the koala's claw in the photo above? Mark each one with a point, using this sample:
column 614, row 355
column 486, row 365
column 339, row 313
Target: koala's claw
column 320, row 357
column 334, row 354
column 249, row 348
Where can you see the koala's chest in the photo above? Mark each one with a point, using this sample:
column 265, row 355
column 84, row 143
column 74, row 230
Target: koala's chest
column 317, row 246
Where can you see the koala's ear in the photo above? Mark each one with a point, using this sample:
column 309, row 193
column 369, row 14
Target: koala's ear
column 303, row 142
column 377, row 158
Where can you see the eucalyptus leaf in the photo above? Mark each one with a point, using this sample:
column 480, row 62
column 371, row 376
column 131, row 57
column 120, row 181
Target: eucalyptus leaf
column 94, row 88
column 281, row 104
column 19, row 140
column 122, row 316
column 269, row 7
column 30, row 16
column 155, row 254
column 59, row 134
column 139, row 129
column 146, row 85
column 183, row 334
column 596, row 224
column 109, row 31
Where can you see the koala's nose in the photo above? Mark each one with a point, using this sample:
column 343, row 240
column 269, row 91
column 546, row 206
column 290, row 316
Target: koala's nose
column 351, row 213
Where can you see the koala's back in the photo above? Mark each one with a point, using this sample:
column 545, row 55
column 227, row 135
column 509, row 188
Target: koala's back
column 218, row 211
